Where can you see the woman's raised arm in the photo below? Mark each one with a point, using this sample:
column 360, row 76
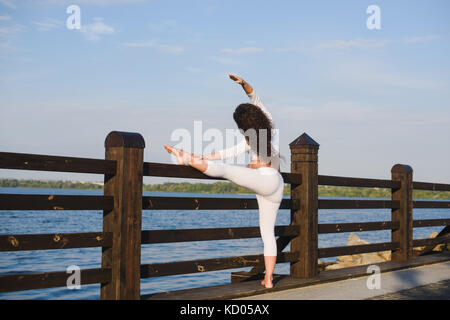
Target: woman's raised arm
column 254, row 98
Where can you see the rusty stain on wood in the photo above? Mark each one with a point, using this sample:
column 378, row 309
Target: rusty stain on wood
column 99, row 238
column 197, row 204
column 201, row 268
column 13, row 240
column 56, row 238
column 58, row 208
column 50, row 197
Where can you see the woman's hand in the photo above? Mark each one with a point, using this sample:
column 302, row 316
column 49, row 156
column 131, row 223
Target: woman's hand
column 236, row 78
column 247, row 88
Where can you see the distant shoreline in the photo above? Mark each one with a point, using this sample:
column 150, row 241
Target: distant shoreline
column 217, row 187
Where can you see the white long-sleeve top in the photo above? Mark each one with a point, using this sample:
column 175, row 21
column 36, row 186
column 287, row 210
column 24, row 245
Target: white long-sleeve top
column 243, row 146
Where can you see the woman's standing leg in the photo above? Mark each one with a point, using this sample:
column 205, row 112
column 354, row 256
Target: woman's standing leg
column 267, row 217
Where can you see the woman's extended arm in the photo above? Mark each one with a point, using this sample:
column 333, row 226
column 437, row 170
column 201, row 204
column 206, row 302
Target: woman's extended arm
column 231, row 152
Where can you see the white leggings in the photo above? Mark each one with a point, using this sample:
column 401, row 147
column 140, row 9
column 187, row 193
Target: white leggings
column 268, row 185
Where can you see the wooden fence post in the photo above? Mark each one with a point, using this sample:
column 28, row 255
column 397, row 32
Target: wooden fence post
column 304, row 160
column 404, row 214
column 125, row 220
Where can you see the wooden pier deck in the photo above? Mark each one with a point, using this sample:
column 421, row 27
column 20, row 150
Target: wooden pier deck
column 286, row 287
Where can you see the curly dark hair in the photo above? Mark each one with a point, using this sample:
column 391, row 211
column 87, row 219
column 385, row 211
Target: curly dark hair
column 249, row 117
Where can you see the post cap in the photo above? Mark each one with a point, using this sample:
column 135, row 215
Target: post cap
column 401, row 168
column 304, row 140
column 124, row 139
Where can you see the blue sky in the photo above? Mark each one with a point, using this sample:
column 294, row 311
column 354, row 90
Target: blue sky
column 370, row 98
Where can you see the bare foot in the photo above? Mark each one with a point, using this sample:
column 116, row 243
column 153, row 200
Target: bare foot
column 182, row 156
column 266, row 283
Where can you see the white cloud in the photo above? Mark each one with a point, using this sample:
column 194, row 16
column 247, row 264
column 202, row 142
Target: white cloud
column 5, row 18
column 356, row 43
column 153, row 44
column 421, row 38
column 8, row 3
column 11, row 30
column 93, row 31
column 47, row 24
column 244, row 50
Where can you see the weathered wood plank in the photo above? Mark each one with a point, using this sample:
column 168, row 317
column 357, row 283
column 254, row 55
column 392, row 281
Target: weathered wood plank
column 30, row 281
column 207, row 234
column 203, row 203
column 431, row 204
column 356, row 227
column 54, row 202
column 21, row 242
column 356, row 249
column 357, row 182
column 26, row 161
column 430, row 223
column 206, row 265
column 358, row 204
column 431, row 242
column 431, row 186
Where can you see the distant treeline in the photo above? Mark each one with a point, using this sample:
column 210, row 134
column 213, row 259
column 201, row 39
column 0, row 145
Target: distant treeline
column 219, row 187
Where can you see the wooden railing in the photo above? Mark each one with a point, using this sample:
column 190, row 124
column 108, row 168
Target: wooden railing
column 122, row 204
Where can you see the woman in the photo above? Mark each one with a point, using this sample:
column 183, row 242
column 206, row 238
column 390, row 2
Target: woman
column 262, row 175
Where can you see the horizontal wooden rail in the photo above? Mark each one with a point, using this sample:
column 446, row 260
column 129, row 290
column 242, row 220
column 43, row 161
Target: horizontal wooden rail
column 207, row 234
column 358, row 204
column 431, row 204
column 30, row 281
column 357, row 182
column 20, row 242
column 206, row 265
column 357, row 249
column 155, row 169
column 203, row 203
column 431, row 241
column 54, row 202
column 355, row 227
column 430, row 223
column 26, row 161
column 430, row 186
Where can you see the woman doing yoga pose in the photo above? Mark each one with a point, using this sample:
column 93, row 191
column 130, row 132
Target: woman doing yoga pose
column 262, row 175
